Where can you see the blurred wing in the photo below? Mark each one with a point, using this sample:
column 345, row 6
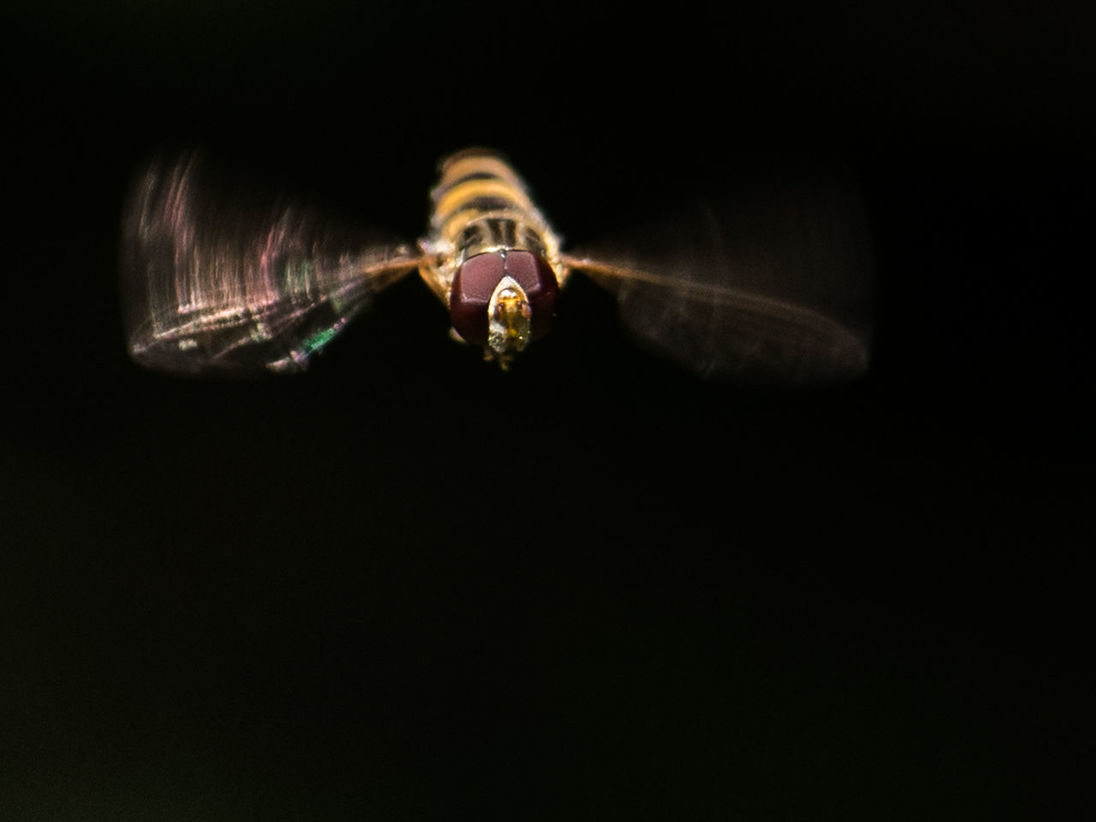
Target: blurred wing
column 768, row 286
column 211, row 286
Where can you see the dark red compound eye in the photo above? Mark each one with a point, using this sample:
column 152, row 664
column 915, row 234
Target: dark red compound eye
column 479, row 276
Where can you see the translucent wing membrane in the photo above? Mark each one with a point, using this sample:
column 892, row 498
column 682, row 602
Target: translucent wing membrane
column 211, row 285
column 770, row 286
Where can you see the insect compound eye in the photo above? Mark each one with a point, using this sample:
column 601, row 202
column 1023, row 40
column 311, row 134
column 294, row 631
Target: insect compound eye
column 477, row 281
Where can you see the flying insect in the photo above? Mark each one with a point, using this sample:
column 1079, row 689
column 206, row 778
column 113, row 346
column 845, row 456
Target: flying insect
column 767, row 289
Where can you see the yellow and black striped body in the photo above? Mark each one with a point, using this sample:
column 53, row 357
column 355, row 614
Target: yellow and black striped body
column 491, row 257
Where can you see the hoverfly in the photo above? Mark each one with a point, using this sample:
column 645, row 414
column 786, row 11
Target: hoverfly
column 752, row 296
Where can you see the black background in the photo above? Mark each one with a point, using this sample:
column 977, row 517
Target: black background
column 407, row 586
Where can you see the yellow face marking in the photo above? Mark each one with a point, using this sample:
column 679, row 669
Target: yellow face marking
column 509, row 318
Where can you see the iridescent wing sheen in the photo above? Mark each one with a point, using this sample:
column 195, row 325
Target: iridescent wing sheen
column 769, row 286
column 211, row 285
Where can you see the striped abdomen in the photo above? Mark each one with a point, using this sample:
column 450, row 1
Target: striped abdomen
column 493, row 259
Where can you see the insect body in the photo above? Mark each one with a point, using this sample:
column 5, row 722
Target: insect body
column 749, row 295
column 491, row 256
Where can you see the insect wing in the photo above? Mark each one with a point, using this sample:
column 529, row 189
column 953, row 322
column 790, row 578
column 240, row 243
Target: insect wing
column 770, row 286
column 211, row 285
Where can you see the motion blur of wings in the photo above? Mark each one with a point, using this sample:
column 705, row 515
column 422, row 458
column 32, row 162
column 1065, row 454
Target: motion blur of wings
column 768, row 283
column 214, row 285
